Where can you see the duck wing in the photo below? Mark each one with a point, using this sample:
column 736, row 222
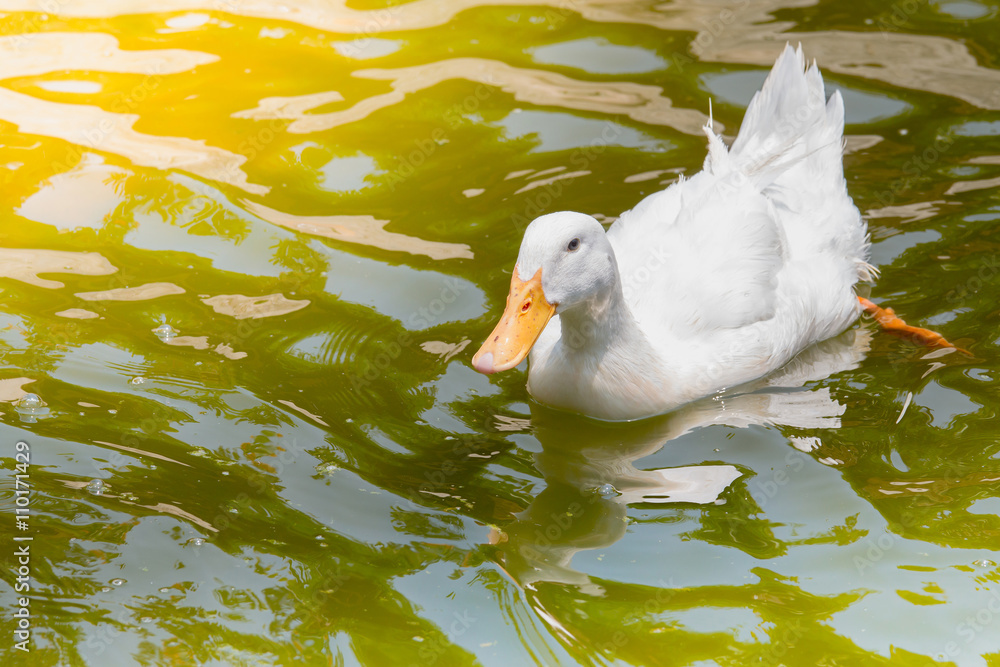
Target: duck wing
column 697, row 257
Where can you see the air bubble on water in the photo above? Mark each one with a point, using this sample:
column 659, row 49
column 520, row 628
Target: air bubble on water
column 105, row 589
column 327, row 468
column 608, row 491
column 138, row 379
column 30, row 402
column 984, row 562
column 116, row 582
column 164, row 590
column 145, row 619
column 165, row 332
column 96, row 487
column 196, row 541
column 31, row 408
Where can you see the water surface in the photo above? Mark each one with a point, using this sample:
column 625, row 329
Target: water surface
column 248, row 248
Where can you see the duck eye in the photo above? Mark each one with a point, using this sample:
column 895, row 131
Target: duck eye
column 573, row 245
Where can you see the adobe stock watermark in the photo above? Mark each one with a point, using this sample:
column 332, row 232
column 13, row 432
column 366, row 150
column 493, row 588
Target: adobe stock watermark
column 33, row 24
column 651, row 606
column 377, row 21
column 21, row 557
column 877, row 548
column 436, row 482
column 428, row 315
column 120, row 460
column 431, row 651
column 898, row 17
column 973, row 625
column 767, row 489
column 103, row 635
column 557, row 13
column 581, row 158
column 249, row 148
column 786, row 636
column 985, row 275
column 123, row 106
column 424, row 148
column 913, row 168
column 714, row 28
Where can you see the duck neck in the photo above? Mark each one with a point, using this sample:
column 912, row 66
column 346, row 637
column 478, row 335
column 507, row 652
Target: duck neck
column 604, row 337
column 591, row 328
column 602, row 364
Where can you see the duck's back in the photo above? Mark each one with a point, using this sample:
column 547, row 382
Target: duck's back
column 764, row 242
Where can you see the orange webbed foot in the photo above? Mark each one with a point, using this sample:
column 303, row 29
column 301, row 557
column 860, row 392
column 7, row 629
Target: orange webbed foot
column 890, row 323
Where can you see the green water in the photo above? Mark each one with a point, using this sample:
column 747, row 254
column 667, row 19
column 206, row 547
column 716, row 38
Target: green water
column 324, row 203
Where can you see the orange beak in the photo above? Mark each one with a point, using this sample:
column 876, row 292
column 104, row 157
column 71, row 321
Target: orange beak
column 523, row 320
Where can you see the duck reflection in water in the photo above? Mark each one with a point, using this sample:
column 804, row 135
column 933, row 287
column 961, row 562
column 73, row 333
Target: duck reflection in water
column 591, row 478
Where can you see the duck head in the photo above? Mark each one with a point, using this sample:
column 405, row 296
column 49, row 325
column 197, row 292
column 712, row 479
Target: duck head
column 565, row 262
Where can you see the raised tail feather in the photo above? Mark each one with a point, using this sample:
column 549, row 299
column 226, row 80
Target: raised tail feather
column 788, row 121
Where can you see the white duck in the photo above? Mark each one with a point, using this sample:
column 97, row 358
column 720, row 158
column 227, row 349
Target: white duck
column 713, row 282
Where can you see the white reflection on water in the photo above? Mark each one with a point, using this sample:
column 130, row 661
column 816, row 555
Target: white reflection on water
column 639, row 102
column 363, row 229
column 84, row 196
column 137, row 293
column 242, row 307
column 92, row 126
column 584, row 455
column 921, row 62
column 25, row 264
